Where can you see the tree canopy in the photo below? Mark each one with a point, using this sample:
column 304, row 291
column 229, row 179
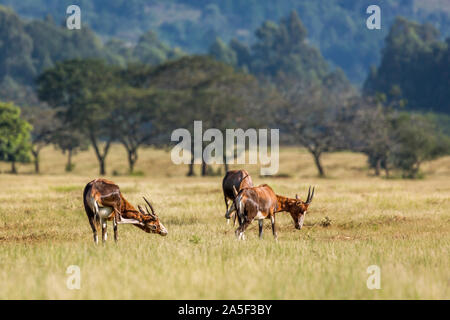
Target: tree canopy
column 337, row 28
column 14, row 136
column 415, row 68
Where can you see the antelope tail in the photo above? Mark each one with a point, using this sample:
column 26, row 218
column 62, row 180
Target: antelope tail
column 91, row 211
column 237, row 206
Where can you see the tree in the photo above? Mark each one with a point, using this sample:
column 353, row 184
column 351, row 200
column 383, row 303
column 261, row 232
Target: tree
column 372, row 132
column 415, row 68
column 318, row 117
column 70, row 141
column 243, row 53
column 221, row 52
column 416, row 140
column 394, row 140
column 150, row 50
column 75, row 87
column 133, row 120
column 44, row 122
column 15, row 48
column 283, row 50
column 207, row 90
column 14, row 136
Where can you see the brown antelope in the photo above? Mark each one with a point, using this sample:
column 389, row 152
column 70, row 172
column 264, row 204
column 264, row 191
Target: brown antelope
column 103, row 201
column 261, row 203
column 238, row 179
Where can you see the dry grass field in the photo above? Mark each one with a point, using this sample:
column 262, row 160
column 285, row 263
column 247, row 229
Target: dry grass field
column 356, row 220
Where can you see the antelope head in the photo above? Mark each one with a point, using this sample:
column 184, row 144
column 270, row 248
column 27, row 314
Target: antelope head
column 152, row 224
column 298, row 210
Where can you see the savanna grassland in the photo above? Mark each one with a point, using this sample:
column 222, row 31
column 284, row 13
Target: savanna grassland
column 356, row 220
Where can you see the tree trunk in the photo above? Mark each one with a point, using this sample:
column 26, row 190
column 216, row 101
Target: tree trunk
column 35, row 153
column 69, row 161
column 204, row 167
column 225, row 164
column 415, row 170
column 132, row 158
column 102, row 166
column 100, row 156
column 13, row 167
column 378, row 167
column 191, row 167
column 319, row 166
column 36, row 164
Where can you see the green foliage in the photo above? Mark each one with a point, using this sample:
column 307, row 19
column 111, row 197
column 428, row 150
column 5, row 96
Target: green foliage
column 133, row 117
column 15, row 49
column 317, row 116
column 415, row 67
column 14, row 135
column 150, row 50
column 74, row 87
column 337, row 28
column 416, row 140
column 142, row 105
column 395, row 140
column 280, row 54
column 282, row 49
column 29, row 48
column 208, row 90
column 221, row 52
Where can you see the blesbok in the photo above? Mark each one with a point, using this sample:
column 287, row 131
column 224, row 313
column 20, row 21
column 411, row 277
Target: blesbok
column 238, row 179
column 261, row 203
column 103, row 201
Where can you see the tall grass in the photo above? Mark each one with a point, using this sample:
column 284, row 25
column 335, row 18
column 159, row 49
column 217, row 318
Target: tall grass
column 355, row 221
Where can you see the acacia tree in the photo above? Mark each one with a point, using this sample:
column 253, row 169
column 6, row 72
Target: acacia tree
column 317, row 117
column 206, row 90
column 14, row 136
column 372, row 132
column 75, row 87
column 69, row 141
column 44, row 124
column 134, row 118
column 394, row 140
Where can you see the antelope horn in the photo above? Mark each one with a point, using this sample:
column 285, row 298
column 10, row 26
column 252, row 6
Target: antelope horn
column 151, row 207
column 309, row 194
column 310, row 197
column 235, row 191
column 151, row 214
column 141, row 209
column 296, row 196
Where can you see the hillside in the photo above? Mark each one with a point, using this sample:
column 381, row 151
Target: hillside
column 337, row 28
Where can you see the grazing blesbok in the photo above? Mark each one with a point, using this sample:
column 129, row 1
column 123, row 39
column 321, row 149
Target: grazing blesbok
column 261, row 203
column 103, row 201
column 238, row 179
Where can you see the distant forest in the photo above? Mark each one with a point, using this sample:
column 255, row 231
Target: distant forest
column 97, row 86
column 335, row 27
column 413, row 71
